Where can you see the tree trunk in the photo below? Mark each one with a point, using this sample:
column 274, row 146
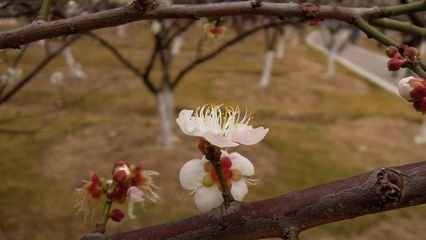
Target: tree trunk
column 121, row 30
column 331, row 63
column 166, row 107
column 281, row 46
column 74, row 68
column 267, row 68
column 176, row 45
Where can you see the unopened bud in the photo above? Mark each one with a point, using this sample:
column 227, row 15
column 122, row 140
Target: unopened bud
column 412, row 88
column 116, row 215
column 420, row 105
column 315, row 21
column 395, row 64
column 412, row 53
column 392, row 52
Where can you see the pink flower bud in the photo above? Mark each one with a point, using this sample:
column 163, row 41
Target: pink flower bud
column 94, row 187
column 411, row 53
column 120, row 176
column 116, row 215
column 392, row 52
column 315, row 21
column 120, row 193
column 420, row 105
column 395, row 64
column 121, row 172
column 412, row 88
column 216, row 31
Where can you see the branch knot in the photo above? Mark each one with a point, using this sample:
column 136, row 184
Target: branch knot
column 256, row 3
column 145, row 5
column 389, row 187
column 310, row 10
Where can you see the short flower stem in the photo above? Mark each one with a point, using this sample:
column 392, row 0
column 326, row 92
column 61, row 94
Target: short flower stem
column 226, row 192
column 101, row 224
column 418, row 70
column 213, row 155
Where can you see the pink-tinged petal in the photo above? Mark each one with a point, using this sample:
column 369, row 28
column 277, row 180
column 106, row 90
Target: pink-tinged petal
column 405, row 88
column 192, row 173
column 239, row 190
column 135, row 194
column 241, row 163
column 207, row 198
column 187, row 123
column 219, row 140
column 248, row 135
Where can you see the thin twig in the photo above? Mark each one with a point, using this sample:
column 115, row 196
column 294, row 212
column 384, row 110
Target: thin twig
column 220, row 49
column 36, row 70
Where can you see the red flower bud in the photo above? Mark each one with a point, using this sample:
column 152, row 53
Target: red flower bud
column 216, row 30
column 120, row 193
column 120, row 176
column 315, row 21
column 418, row 93
column 94, row 187
column 411, row 53
column 116, row 215
column 392, row 52
column 395, row 64
column 420, row 105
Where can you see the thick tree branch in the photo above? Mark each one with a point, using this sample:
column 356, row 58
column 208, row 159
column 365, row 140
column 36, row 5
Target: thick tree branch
column 376, row 191
column 148, row 10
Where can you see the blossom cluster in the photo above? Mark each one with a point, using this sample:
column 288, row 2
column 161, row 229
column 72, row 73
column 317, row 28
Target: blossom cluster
column 129, row 183
column 214, row 30
column 400, row 56
column 218, row 128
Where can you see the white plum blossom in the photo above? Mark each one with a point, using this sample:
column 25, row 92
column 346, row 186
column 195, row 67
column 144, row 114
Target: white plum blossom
column 408, row 84
column 221, row 127
column 199, row 176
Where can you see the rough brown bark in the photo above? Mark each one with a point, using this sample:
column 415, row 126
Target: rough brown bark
column 376, row 191
column 147, row 9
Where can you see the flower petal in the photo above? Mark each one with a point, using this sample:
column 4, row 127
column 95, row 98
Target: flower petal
column 192, row 173
column 241, row 163
column 218, row 140
column 239, row 190
column 207, row 198
column 187, row 123
column 130, row 209
column 248, row 135
column 135, row 194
